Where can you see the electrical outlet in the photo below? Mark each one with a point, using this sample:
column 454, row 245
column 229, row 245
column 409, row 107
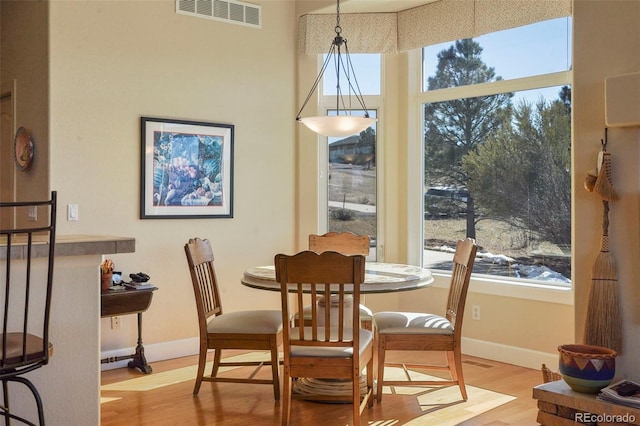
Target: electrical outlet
column 475, row 312
column 116, row 323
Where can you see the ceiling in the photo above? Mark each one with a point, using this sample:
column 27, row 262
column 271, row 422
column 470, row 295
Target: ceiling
column 373, row 6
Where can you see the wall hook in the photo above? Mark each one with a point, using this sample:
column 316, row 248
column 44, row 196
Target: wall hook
column 605, row 141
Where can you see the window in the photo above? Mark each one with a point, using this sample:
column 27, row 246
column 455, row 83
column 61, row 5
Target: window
column 367, row 70
column 352, row 175
column 497, row 151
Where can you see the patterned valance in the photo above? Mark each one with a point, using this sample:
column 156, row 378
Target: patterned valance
column 432, row 23
column 364, row 32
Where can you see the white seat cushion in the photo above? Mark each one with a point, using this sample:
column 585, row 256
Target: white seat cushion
column 366, row 337
column 411, row 323
column 251, row 322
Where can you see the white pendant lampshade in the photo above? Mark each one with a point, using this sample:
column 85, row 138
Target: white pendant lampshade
column 342, row 123
column 337, row 125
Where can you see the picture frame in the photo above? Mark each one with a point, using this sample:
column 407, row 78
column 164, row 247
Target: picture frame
column 186, row 169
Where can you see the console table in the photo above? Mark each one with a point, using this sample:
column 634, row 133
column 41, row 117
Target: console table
column 126, row 302
column 559, row 405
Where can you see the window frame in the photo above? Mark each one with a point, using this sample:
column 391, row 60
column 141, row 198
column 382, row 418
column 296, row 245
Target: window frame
column 418, row 96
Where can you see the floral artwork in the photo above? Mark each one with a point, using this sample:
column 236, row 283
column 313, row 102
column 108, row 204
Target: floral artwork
column 186, row 169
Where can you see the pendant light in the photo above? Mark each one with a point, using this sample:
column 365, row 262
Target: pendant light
column 343, row 123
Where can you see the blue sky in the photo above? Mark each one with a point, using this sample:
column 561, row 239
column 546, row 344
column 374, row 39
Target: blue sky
column 539, row 48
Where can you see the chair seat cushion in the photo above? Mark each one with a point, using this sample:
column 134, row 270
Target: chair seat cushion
column 365, row 313
column 16, row 343
column 250, row 322
column 411, row 323
column 366, row 337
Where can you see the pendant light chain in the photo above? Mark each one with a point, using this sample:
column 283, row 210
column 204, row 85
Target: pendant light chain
column 338, row 28
column 337, row 43
column 338, row 125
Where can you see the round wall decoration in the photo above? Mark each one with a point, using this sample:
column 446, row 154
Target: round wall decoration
column 23, row 149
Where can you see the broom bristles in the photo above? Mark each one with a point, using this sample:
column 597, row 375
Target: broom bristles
column 603, row 325
column 604, row 267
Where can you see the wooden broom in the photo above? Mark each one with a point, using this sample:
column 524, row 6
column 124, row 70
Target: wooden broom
column 603, row 325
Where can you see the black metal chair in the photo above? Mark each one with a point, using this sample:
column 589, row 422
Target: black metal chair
column 26, row 278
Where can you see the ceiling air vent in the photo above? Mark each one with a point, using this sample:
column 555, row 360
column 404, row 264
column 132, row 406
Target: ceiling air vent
column 235, row 12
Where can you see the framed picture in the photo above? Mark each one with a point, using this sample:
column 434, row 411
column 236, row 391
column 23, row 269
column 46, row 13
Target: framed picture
column 186, row 169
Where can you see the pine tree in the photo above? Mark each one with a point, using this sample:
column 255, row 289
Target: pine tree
column 455, row 128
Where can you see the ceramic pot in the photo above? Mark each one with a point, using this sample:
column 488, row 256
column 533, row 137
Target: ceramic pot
column 587, row 368
column 105, row 280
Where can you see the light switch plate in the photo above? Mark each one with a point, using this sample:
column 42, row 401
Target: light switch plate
column 72, row 212
column 33, row 213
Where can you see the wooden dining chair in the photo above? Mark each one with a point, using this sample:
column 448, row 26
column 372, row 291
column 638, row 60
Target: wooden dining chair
column 26, row 297
column 346, row 243
column 416, row 331
column 259, row 330
column 337, row 351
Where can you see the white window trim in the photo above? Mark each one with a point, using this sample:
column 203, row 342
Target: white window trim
column 415, row 166
column 481, row 284
column 518, row 290
column 495, row 87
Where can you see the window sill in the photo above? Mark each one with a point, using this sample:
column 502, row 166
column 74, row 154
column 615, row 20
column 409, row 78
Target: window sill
column 515, row 289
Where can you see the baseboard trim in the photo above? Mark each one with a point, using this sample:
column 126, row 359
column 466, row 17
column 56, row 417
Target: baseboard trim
column 479, row 348
column 508, row 354
column 153, row 352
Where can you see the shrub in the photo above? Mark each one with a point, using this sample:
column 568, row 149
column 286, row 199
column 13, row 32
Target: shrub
column 343, row 214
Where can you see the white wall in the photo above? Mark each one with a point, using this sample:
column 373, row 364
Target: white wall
column 606, row 42
column 112, row 62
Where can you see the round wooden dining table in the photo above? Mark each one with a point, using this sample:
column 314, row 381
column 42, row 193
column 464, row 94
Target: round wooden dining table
column 378, row 278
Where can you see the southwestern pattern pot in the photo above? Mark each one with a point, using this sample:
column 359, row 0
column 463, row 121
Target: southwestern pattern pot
column 587, row 368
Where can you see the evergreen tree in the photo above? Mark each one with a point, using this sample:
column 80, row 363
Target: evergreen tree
column 524, row 171
column 455, row 128
column 366, row 146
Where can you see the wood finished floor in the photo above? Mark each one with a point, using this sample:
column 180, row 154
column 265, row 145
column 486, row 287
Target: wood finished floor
column 239, row 404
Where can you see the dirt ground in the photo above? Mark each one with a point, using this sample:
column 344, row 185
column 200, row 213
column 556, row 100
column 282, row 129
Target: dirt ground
column 493, row 236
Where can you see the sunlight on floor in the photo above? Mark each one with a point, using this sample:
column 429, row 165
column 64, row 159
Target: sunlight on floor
column 167, row 378
column 441, row 406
